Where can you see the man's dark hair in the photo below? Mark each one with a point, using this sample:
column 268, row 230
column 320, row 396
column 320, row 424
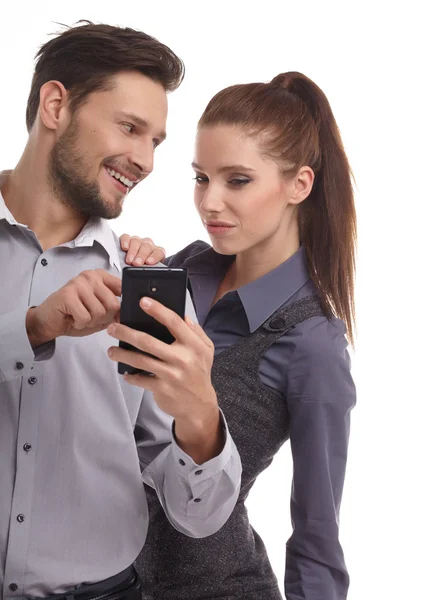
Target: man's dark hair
column 85, row 57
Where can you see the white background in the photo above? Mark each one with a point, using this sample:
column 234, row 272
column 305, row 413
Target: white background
column 369, row 60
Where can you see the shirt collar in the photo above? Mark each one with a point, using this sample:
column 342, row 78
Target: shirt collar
column 4, row 211
column 95, row 230
column 260, row 298
column 263, row 296
column 98, row 230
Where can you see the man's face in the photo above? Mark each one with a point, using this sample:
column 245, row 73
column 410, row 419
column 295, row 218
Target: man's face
column 109, row 145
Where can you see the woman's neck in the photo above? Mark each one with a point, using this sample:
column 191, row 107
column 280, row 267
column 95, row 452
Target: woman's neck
column 256, row 262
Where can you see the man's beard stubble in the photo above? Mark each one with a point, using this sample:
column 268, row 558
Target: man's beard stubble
column 68, row 173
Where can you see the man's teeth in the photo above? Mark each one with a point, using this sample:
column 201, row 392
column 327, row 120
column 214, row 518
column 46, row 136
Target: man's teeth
column 120, row 177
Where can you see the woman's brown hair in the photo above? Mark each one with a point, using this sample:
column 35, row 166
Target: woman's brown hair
column 294, row 124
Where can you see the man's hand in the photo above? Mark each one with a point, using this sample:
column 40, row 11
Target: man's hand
column 85, row 305
column 141, row 251
column 182, row 378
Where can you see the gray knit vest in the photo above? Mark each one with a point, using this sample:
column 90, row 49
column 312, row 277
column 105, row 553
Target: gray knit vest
column 231, row 564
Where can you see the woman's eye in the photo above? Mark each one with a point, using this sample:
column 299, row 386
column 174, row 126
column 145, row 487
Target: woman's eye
column 198, row 179
column 239, row 182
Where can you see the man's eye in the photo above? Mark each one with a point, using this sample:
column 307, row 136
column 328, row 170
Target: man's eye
column 129, row 127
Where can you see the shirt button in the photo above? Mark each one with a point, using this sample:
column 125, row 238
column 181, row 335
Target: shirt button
column 44, row 262
column 198, row 472
column 181, row 461
column 27, row 447
column 20, row 518
column 32, row 380
column 197, row 500
column 19, row 366
column 13, row 587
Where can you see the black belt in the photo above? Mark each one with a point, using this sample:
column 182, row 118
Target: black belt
column 114, row 587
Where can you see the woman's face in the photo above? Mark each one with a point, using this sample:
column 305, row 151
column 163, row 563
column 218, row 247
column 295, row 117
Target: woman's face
column 242, row 198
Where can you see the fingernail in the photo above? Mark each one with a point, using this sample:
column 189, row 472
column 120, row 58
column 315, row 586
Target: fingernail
column 146, row 302
column 138, row 261
column 130, row 257
column 112, row 329
column 125, row 246
column 190, row 322
column 150, row 260
column 110, row 352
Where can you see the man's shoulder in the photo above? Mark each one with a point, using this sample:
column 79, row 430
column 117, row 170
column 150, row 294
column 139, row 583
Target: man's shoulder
column 121, row 253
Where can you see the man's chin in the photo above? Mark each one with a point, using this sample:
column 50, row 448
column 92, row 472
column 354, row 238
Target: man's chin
column 110, row 209
column 111, row 214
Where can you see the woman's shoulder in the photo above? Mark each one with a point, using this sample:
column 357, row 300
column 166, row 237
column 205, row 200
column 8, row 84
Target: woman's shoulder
column 192, row 250
column 320, row 335
column 312, row 361
column 319, row 352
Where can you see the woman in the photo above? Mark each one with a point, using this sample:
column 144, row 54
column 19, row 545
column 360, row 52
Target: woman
column 275, row 295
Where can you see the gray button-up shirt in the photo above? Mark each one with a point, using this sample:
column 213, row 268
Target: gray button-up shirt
column 72, row 502
column 309, row 368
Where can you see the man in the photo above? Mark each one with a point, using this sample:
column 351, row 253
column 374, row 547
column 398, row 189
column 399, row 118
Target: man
column 73, row 512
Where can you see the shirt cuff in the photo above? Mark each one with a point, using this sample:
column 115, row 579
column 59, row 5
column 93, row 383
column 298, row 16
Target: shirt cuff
column 195, row 473
column 16, row 354
column 197, row 499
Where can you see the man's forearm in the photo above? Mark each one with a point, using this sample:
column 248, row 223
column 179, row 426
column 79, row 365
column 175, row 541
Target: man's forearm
column 201, row 439
column 34, row 336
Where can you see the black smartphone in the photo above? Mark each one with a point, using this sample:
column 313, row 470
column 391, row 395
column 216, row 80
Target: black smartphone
column 167, row 286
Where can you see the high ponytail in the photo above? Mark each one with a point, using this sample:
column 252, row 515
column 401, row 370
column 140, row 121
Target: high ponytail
column 327, row 220
column 297, row 129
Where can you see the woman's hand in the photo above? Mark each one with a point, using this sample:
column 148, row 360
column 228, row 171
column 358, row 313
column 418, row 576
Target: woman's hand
column 141, row 251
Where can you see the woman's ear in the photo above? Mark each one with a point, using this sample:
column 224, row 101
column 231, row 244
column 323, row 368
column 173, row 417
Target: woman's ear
column 302, row 185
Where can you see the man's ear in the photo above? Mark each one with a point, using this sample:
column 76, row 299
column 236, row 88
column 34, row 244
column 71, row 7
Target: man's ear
column 54, row 105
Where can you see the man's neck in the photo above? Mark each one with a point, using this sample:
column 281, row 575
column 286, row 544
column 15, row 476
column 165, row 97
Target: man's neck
column 32, row 202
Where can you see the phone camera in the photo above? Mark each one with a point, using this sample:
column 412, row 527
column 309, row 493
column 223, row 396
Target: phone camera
column 153, row 285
